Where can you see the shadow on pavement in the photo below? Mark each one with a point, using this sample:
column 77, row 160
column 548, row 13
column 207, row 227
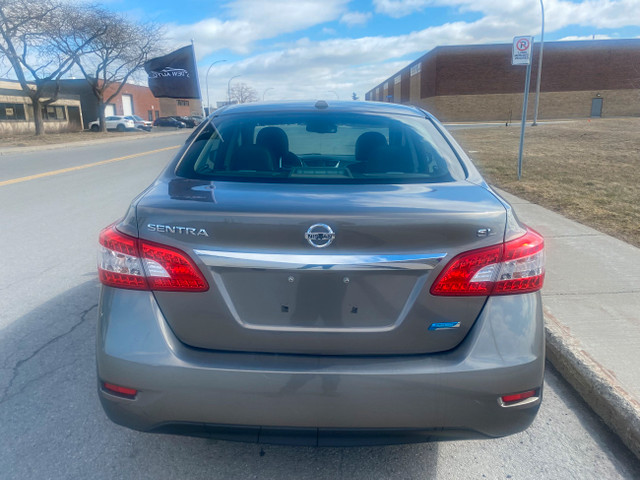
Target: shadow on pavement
column 53, row 425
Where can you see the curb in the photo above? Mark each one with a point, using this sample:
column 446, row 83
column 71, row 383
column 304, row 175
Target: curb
column 596, row 385
column 81, row 143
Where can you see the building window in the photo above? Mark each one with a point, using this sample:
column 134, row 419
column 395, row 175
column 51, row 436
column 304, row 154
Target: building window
column 183, row 103
column 12, row 111
column 396, row 80
column 416, row 69
column 54, row 112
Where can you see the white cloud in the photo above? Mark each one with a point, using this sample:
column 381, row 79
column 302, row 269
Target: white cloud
column 400, row 8
column 285, row 15
column 314, row 69
column 355, row 18
column 254, row 20
column 558, row 13
column 307, row 69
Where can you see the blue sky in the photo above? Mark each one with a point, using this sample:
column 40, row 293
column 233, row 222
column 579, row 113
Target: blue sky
column 291, row 49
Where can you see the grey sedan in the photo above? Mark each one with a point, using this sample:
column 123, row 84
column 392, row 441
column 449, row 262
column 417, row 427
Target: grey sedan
column 321, row 274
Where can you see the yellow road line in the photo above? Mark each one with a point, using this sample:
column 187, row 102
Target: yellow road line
column 82, row 167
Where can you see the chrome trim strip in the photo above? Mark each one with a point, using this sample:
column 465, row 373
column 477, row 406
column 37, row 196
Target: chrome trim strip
column 221, row 258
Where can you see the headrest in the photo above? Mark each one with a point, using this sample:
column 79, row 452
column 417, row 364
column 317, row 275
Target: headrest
column 252, row 157
column 275, row 139
column 390, row 159
column 366, row 143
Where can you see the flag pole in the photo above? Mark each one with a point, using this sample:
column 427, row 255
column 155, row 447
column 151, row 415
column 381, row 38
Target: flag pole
column 195, row 66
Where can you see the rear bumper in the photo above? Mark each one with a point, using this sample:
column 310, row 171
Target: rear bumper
column 315, row 399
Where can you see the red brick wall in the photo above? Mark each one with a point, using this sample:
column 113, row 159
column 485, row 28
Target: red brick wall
column 428, row 75
column 567, row 66
column 405, row 85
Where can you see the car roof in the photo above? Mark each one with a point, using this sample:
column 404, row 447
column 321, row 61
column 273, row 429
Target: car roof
column 324, row 105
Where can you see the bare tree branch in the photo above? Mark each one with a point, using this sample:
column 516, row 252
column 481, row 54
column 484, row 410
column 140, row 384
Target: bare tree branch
column 29, row 27
column 112, row 48
column 243, row 93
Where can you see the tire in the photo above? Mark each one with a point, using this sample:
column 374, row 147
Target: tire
column 121, row 127
column 95, row 128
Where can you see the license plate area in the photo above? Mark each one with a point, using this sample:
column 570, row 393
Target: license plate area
column 319, row 300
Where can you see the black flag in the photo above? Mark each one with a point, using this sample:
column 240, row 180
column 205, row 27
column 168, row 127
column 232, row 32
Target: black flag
column 174, row 75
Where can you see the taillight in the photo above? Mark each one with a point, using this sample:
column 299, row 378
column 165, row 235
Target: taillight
column 120, row 391
column 516, row 266
column 517, row 397
column 128, row 262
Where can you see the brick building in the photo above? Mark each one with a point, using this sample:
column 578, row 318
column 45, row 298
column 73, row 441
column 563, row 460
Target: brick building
column 478, row 82
column 132, row 100
column 183, row 107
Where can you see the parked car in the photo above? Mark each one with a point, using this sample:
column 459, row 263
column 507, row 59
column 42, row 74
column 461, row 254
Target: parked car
column 188, row 121
column 328, row 273
column 197, row 118
column 168, row 122
column 141, row 123
column 114, row 122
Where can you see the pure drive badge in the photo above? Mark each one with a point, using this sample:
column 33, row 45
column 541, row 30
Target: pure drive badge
column 196, row 232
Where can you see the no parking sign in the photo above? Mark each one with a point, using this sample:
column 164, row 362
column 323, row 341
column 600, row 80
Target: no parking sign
column 521, row 55
column 521, row 52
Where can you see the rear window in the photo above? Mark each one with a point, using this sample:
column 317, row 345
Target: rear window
column 321, row 147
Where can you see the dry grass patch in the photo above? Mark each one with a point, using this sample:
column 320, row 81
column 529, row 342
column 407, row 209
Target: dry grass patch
column 588, row 171
column 28, row 140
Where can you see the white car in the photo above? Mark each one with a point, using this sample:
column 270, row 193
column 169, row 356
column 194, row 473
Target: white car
column 140, row 123
column 114, row 122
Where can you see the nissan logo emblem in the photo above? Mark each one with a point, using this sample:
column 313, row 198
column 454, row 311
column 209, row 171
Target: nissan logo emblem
column 320, row 235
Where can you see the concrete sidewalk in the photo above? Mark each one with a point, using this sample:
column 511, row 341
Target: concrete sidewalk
column 592, row 314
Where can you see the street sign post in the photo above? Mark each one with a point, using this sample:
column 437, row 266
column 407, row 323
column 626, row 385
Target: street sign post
column 521, row 54
column 522, row 49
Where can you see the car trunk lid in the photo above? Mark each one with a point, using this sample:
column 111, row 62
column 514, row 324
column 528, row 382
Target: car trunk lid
column 366, row 292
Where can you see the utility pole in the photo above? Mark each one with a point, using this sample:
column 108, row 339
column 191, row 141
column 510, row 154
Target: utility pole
column 206, row 79
column 535, row 113
column 521, row 54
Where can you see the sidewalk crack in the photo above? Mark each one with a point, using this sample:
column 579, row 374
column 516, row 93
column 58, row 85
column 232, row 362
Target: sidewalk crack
column 15, row 369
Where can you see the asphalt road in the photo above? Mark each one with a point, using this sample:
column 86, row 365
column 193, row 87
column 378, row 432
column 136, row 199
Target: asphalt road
column 51, row 422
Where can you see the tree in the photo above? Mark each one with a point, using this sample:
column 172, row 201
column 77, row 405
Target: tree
column 26, row 31
column 108, row 49
column 354, row 96
column 243, row 93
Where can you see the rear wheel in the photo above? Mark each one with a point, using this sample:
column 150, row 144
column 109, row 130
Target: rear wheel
column 95, row 128
column 120, row 127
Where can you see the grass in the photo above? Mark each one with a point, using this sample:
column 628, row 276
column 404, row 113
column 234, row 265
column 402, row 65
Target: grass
column 588, row 171
column 27, row 140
